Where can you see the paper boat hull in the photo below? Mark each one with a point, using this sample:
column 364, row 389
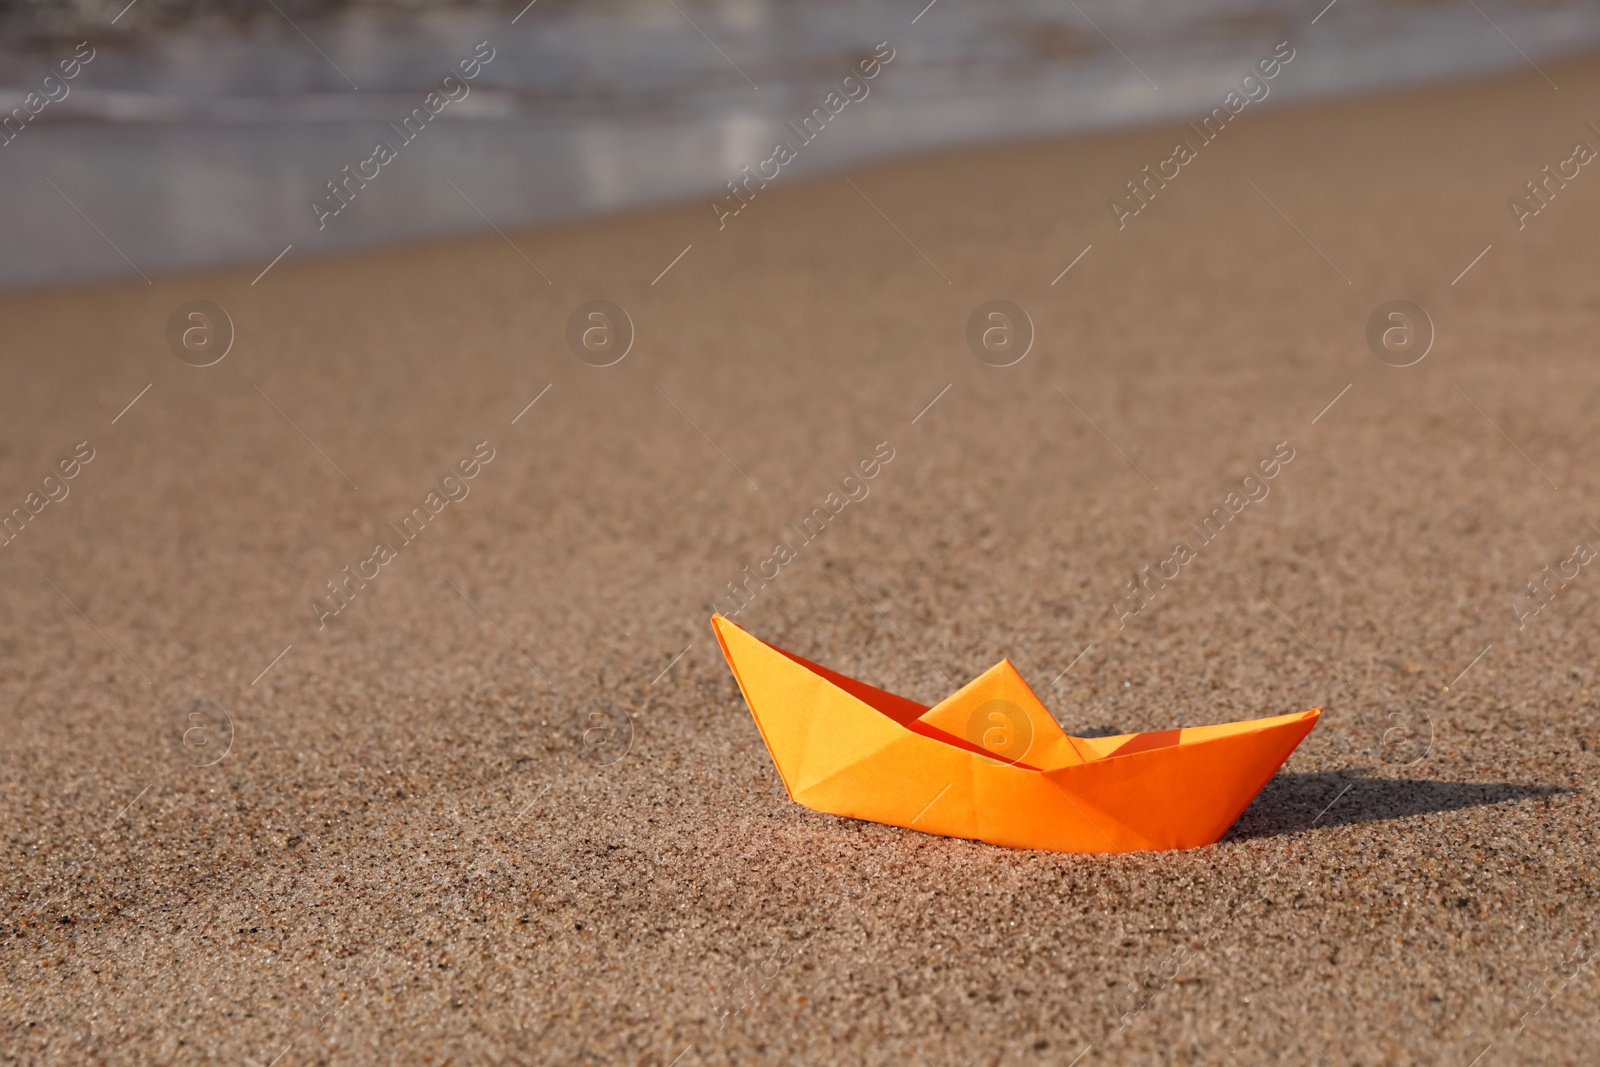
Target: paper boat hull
column 845, row 748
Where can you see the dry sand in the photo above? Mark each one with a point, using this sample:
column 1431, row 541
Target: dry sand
column 403, row 858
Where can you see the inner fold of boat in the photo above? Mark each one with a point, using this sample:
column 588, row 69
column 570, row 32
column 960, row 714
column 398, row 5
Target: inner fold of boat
column 908, row 712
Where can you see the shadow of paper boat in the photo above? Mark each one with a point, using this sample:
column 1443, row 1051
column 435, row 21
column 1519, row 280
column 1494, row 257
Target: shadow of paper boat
column 990, row 763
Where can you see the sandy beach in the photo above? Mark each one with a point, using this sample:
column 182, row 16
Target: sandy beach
column 496, row 799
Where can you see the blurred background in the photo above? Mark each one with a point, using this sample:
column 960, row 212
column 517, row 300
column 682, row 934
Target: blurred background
column 200, row 134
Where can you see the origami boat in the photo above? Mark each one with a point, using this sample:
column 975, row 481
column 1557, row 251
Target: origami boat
column 990, row 763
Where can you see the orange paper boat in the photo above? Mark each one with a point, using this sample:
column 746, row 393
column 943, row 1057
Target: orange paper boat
column 990, row 763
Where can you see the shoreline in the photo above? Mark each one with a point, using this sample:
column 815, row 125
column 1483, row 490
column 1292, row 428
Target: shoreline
column 237, row 152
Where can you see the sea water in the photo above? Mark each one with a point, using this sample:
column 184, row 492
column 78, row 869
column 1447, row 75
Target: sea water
column 211, row 142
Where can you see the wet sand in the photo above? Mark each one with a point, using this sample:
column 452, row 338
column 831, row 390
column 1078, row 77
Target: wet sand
column 410, row 839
